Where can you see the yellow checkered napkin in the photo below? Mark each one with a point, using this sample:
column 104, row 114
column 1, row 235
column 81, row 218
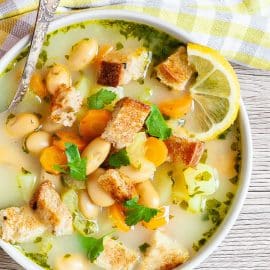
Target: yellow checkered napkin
column 239, row 29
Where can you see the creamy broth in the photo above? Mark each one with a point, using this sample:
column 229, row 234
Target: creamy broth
column 190, row 230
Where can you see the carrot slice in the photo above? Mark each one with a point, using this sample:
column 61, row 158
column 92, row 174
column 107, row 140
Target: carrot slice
column 51, row 156
column 116, row 212
column 176, row 108
column 156, row 151
column 38, row 86
column 61, row 137
column 161, row 219
column 93, row 123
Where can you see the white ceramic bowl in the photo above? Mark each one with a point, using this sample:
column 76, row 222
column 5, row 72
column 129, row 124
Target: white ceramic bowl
column 244, row 127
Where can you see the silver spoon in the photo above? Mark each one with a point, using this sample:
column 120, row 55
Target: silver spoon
column 45, row 15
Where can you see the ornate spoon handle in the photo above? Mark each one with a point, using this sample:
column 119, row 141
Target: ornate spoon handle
column 45, row 15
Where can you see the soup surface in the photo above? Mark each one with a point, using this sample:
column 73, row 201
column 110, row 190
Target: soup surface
column 187, row 212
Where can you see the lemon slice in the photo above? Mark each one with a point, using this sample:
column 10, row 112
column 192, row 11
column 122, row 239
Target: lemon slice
column 216, row 94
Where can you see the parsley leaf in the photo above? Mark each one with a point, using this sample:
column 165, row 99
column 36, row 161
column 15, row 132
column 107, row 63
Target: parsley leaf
column 119, row 46
column 60, row 168
column 100, row 99
column 76, row 164
column 144, row 247
column 136, row 212
column 156, row 125
column 119, row 159
column 39, row 258
column 93, row 246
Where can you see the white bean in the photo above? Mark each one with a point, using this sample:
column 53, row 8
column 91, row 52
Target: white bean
column 97, row 194
column 95, row 153
column 145, row 172
column 82, row 53
column 50, row 126
column 86, row 206
column 56, row 76
column 37, row 141
column 22, row 124
column 72, row 262
column 148, row 196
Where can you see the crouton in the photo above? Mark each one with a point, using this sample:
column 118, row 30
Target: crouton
column 47, row 204
column 119, row 186
column 65, row 104
column 185, row 150
column 127, row 119
column 118, row 68
column 20, row 225
column 163, row 254
column 175, row 71
column 116, row 256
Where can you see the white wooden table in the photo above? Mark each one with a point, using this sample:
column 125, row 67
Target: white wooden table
column 247, row 247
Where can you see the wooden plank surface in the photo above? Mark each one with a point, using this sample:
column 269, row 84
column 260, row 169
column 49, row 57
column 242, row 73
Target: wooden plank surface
column 247, row 247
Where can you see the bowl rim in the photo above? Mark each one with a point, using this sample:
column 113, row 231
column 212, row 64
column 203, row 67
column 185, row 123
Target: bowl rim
column 245, row 131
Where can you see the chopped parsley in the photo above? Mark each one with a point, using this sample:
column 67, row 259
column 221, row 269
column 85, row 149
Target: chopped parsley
column 39, row 258
column 203, row 176
column 136, row 212
column 215, row 211
column 224, row 134
column 10, row 116
column 204, row 156
column 144, row 247
column 234, row 180
column 93, row 246
column 76, row 165
column 42, row 59
column 83, row 225
column 24, row 171
column 100, row 99
column 156, row 125
column 119, row 159
column 38, row 240
column 199, row 244
column 119, row 46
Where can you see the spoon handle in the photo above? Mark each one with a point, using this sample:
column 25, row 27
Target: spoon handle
column 45, row 15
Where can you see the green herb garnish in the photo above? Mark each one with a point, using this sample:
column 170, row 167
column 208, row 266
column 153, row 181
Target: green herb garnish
column 24, row 171
column 156, row 125
column 204, row 156
column 38, row 240
column 197, row 246
column 93, row 246
column 60, row 168
column 76, row 165
column 144, row 247
column 119, row 159
column 39, row 258
column 136, row 212
column 100, row 99
column 42, row 59
column 203, row 176
column 119, row 46
column 10, row 116
column 234, row 180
